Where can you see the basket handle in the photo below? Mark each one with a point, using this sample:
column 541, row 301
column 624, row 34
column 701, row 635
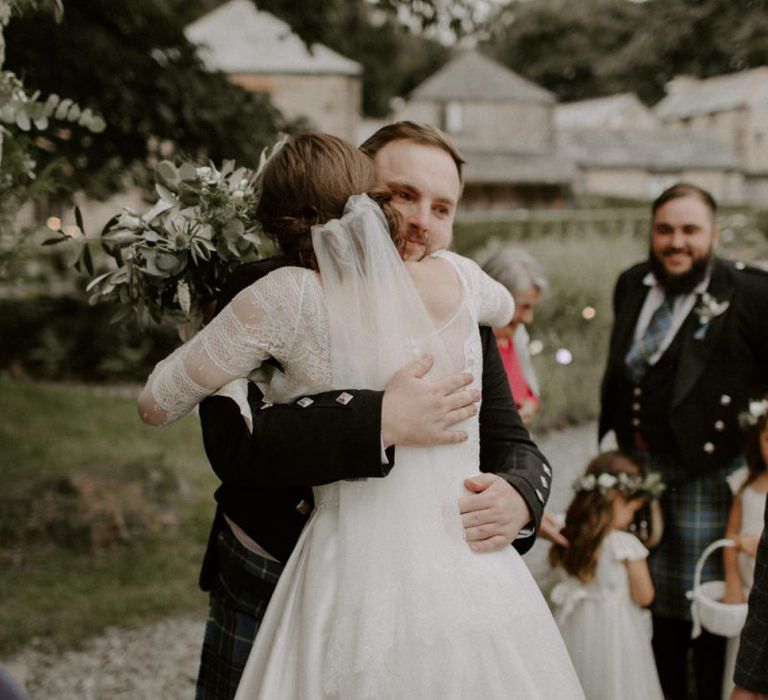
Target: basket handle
column 717, row 544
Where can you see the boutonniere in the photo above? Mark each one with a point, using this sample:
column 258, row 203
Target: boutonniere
column 707, row 309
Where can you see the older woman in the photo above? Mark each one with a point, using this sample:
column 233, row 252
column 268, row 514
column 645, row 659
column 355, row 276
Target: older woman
column 525, row 280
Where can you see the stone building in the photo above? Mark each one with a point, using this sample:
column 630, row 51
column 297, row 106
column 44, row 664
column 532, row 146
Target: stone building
column 735, row 106
column 503, row 124
column 641, row 163
column 622, row 111
column 261, row 53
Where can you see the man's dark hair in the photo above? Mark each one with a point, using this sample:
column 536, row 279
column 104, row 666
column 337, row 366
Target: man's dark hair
column 684, row 189
column 423, row 134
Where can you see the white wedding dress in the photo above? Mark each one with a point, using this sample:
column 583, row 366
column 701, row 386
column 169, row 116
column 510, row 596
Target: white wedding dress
column 382, row 597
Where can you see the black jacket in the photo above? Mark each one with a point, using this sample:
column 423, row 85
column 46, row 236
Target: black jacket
column 752, row 661
column 266, row 475
column 721, row 366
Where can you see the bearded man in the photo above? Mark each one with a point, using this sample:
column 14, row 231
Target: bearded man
column 689, row 348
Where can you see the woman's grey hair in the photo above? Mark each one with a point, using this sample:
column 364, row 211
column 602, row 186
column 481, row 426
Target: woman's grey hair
column 517, row 270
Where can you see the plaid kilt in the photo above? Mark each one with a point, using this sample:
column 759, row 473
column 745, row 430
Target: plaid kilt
column 695, row 515
column 238, row 601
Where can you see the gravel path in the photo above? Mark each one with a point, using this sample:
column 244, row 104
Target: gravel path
column 159, row 662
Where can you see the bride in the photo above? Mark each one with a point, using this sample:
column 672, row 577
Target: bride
column 382, row 597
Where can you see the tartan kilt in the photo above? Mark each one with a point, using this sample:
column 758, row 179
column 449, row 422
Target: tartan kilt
column 695, row 515
column 244, row 584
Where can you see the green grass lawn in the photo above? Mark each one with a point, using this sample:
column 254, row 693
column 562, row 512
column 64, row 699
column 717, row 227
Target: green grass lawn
column 62, row 595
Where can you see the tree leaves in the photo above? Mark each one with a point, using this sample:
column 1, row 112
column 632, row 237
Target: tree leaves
column 592, row 48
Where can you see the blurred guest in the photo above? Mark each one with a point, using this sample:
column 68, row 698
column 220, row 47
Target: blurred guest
column 524, row 278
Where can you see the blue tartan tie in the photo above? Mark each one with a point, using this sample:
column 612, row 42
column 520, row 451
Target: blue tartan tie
column 642, row 350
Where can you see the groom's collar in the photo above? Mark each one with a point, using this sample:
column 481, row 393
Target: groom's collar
column 650, row 281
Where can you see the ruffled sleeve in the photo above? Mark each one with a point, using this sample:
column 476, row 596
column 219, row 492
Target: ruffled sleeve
column 489, row 301
column 736, row 479
column 625, row 546
column 260, row 322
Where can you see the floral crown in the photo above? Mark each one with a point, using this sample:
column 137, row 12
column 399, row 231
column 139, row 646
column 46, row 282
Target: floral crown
column 757, row 409
column 648, row 486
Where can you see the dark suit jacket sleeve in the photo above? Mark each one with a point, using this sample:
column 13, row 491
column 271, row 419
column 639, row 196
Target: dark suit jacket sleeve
column 506, row 447
column 290, row 445
column 752, row 661
column 295, row 446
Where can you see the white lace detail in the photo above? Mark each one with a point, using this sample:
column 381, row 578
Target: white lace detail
column 274, row 317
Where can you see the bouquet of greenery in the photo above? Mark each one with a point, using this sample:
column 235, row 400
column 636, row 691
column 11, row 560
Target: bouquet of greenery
column 171, row 262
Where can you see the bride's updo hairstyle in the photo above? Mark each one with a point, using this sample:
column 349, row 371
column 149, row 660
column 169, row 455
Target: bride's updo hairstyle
column 308, row 182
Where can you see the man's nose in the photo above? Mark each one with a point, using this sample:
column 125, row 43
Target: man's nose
column 678, row 239
column 418, row 217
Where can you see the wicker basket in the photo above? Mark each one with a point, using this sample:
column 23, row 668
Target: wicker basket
column 707, row 611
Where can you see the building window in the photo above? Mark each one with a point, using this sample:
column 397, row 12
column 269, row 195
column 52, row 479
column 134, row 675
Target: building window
column 454, row 117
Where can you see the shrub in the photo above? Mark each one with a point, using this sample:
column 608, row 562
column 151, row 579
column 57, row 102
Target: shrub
column 65, row 338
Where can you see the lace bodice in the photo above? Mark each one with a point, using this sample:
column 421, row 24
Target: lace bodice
column 283, row 316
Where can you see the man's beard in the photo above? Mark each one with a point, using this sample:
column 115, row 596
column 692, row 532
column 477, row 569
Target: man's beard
column 685, row 282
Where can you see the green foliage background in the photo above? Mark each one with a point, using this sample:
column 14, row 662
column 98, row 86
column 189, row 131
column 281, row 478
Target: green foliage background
column 592, row 48
column 62, row 596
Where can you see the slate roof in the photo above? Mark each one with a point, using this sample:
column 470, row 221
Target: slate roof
column 657, row 150
column 473, row 76
column 483, row 167
column 600, row 111
column 690, row 97
column 238, row 38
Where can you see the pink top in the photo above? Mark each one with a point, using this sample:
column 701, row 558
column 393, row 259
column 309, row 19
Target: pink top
column 521, row 392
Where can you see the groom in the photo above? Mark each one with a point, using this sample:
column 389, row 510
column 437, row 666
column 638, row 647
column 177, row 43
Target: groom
column 265, row 499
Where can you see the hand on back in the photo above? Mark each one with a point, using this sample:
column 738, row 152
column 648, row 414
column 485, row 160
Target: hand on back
column 419, row 412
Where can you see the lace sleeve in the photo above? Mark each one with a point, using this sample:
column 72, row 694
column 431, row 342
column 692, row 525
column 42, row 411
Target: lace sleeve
column 260, row 322
column 490, row 301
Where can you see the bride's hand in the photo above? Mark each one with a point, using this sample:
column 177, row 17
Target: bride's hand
column 493, row 514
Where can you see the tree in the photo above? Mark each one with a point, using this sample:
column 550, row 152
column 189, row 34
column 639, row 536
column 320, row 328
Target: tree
column 565, row 46
column 132, row 60
column 21, row 115
column 599, row 47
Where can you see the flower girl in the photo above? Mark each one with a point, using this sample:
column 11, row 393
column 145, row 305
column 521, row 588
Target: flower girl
column 606, row 583
column 745, row 521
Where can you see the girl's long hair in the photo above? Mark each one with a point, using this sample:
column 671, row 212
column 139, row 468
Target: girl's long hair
column 308, row 182
column 589, row 518
column 752, row 453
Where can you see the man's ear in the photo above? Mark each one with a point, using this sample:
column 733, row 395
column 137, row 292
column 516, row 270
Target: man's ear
column 715, row 235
